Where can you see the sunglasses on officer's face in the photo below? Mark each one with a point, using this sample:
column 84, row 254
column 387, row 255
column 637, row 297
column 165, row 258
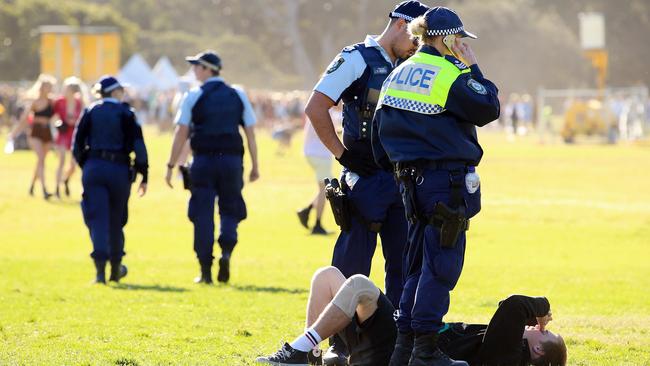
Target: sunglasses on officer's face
column 416, row 41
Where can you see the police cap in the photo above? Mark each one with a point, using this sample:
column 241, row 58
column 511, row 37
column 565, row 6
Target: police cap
column 442, row 21
column 208, row 59
column 408, row 10
column 107, row 84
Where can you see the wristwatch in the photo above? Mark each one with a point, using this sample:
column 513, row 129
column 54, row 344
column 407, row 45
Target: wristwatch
column 170, row 166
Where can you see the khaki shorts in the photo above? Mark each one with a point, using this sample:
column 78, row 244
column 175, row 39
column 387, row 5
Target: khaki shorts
column 321, row 166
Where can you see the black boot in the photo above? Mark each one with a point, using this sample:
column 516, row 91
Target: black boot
column 100, row 277
column 303, row 216
column 337, row 354
column 224, row 268
column 426, row 352
column 402, row 350
column 318, row 229
column 206, row 274
column 118, row 271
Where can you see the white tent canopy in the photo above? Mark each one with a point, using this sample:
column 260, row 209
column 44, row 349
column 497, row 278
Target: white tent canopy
column 137, row 74
column 165, row 75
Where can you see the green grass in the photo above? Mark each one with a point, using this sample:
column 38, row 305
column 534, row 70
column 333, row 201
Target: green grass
column 568, row 222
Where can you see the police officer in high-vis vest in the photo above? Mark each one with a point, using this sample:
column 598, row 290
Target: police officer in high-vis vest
column 426, row 122
column 210, row 116
column 355, row 77
column 104, row 138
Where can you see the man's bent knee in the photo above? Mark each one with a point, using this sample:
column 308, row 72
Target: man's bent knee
column 357, row 290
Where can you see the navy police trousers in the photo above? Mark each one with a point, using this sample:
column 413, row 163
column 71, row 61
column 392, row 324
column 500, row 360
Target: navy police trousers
column 104, row 204
column 431, row 272
column 216, row 177
column 377, row 199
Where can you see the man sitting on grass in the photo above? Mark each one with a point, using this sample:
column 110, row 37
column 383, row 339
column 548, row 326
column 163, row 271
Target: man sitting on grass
column 363, row 316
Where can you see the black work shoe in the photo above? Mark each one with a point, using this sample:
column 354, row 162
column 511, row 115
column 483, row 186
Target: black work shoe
column 318, row 230
column 335, row 357
column 206, row 274
column 224, row 269
column 402, row 351
column 118, row 271
column 285, row 356
column 100, row 276
column 315, row 357
column 303, row 216
column 426, row 353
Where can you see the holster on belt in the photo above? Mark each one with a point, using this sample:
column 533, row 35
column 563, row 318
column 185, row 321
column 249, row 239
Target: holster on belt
column 187, row 178
column 339, row 202
column 343, row 209
column 449, row 219
column 408, row 177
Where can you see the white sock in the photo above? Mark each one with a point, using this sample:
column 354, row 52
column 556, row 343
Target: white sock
column 310, row 339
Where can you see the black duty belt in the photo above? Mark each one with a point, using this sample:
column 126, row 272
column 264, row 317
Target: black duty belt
column 217, row 152
column 433, row 165
column 112, row 156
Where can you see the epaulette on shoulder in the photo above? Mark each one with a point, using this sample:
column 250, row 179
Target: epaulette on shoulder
column 95, row 104
column 128, row 107
column 351, row 48
column 458, row 63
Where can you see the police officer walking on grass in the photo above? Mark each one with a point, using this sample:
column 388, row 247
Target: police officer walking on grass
column 355, row 77
column 210, row 116
column 426, row 122
column 104, row 138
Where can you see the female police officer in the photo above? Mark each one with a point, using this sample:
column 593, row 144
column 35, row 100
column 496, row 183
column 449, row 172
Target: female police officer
column 425, row 122
column 105, row 136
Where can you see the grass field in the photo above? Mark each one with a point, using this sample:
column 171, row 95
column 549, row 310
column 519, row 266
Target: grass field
column 568, row 222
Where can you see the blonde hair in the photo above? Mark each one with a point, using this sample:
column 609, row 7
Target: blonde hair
column 78, row 87
column 418, row 28
column 34, row 91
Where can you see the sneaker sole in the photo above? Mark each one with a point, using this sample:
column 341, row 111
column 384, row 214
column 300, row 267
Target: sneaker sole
column 267, row 362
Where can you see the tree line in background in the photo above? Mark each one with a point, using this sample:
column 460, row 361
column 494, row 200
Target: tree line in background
column 523, row 44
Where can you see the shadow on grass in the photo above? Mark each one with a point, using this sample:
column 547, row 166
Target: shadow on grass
column 271, row 289
column 159, row 288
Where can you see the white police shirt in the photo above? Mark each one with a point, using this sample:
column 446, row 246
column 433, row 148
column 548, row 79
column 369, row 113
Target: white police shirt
column 184, row 113
column 346, row 68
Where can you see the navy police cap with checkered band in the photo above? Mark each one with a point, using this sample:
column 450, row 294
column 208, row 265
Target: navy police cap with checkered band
column 443, row 21
column 107, row 84
column 208, row 59
column 408, row 10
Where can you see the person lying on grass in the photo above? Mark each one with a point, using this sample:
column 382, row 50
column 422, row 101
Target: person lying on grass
column 363, row 317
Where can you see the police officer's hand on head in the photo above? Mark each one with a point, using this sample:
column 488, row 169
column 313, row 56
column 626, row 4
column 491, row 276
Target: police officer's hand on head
column 465, row 52
column 356, row 163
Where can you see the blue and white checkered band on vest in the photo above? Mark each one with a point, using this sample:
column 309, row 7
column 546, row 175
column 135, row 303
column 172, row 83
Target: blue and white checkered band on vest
column 216, row 118
column 360, row 99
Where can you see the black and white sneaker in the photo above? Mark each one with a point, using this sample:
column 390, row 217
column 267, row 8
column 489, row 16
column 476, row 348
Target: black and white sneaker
column 315, row 357
column 285, row 356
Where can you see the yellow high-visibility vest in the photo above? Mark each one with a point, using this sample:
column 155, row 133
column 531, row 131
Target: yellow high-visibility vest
column 421, row 84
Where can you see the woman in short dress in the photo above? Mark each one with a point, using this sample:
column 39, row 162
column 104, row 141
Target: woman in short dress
column 68, row 108
column 40, row 135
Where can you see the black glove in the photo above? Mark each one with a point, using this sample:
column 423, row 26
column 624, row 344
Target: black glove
column 357, row 164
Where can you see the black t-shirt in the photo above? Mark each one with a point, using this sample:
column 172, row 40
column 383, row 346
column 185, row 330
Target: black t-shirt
column 499, row 343
column 371, row 343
